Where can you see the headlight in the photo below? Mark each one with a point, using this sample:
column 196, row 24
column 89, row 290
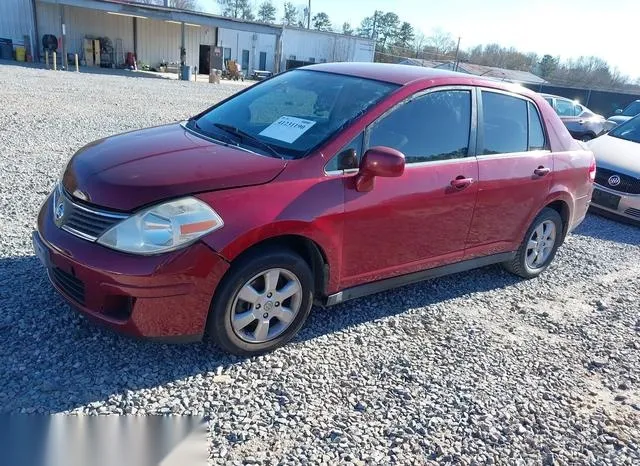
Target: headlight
column 163, row 228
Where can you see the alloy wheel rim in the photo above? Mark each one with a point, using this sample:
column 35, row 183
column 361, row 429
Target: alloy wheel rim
column 266, row 305
column 540, row 244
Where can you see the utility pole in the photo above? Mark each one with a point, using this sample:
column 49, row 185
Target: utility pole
column 455, row 62
column 309, row 15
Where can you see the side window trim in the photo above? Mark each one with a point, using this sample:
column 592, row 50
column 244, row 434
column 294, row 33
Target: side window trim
column 480, row 140
column 471, row 150
column 360, row 153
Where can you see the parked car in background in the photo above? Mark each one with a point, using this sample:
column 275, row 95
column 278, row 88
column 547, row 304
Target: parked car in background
column 582, row 123
column 623, row 115
column 321, row 184
column 617, row 153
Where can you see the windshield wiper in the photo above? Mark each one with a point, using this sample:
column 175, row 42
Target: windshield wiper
column 243, row 135
column 224, row 140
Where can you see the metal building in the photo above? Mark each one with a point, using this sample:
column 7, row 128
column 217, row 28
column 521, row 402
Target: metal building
column 302, row 46
column 17, row 22
column 156, row 34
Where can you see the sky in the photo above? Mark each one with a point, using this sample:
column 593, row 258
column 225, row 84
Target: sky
column 565, row 28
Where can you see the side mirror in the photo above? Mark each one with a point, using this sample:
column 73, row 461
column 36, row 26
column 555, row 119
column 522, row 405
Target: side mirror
column 618, row 111
column 378, row 161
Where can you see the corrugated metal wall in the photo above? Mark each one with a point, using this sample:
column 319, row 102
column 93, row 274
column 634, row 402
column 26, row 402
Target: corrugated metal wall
column 255, row 43
column 81, row 22
column 16, row 21
column 159, row 40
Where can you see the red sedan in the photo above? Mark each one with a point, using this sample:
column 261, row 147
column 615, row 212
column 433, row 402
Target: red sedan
column 321, row 184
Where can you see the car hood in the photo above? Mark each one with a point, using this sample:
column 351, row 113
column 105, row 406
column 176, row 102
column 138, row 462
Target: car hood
column 133, row 169
column 619, row 119
column 616, row 154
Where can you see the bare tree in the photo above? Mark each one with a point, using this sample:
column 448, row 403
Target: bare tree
column 419, row 41
column 441, row 41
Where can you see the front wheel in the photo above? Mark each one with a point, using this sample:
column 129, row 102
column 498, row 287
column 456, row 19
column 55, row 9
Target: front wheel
column 262, row 303
column 539, row 246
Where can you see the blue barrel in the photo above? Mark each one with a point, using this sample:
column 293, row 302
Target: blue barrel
column 186, row 73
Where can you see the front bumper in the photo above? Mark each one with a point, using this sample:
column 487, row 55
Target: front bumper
column 628, row 206
column 165, row 297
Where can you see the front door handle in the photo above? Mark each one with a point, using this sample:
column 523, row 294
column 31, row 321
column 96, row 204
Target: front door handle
column 461, row 182
column 541, row 171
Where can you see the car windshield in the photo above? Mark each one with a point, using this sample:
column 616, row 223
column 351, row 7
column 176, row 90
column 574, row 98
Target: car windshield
column 629, row 130
column 293, row 113
column 632, row 109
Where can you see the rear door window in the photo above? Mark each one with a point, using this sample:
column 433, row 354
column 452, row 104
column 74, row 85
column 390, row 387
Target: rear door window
column 505, row 123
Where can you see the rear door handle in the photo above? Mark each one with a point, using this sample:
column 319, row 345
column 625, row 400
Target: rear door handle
column 541, row 171
column 461, row 182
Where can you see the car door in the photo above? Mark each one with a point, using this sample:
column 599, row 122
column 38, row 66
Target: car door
column 419, row 220
column 515, row 169
column 576, row 120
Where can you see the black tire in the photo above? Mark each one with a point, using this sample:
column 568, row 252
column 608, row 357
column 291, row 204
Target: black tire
column 219, row 326
column 518, row 265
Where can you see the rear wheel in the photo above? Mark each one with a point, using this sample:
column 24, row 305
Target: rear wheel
column 262, row 303
column 539, row 246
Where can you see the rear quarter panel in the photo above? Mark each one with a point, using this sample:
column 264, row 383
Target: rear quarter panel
column 571, row 161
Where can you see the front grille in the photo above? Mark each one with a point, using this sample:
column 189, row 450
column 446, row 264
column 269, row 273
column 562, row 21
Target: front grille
column 628, row 184
column 69, row 284
column 80, row 220
column 633, row 212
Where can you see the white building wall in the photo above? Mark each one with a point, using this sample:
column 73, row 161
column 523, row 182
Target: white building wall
column 306, row 44
column 255, row 43
column 81, row 22
column 16, row 21
column 363, row 49
column 159, row 40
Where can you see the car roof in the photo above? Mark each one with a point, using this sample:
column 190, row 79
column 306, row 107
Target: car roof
column 398, row 74
column 405, row 74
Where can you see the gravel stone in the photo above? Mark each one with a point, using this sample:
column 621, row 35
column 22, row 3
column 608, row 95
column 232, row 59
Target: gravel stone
column 475, row 368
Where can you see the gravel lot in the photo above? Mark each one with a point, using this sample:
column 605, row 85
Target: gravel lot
column 476, row 368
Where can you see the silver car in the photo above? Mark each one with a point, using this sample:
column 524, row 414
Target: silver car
column 617, row 189
column 621, row 115
column 582, row 123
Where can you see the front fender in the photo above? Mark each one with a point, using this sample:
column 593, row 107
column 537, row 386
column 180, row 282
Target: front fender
column 311, row 209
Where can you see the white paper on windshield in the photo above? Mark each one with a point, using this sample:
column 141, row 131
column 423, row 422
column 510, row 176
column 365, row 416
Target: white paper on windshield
column 287, row 128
